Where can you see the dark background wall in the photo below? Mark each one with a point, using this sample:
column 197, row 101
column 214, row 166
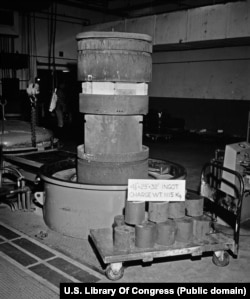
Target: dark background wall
column 196, row 114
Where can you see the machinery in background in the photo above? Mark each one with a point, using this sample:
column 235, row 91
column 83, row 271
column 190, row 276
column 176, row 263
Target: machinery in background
column 21, row 136
column 229, row 173
column 17, row 137
column 237, row 158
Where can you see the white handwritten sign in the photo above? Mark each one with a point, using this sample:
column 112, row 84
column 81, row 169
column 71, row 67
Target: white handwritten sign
column 156, row 190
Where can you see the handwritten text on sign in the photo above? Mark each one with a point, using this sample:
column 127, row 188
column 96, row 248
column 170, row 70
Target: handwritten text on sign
column 156, row 190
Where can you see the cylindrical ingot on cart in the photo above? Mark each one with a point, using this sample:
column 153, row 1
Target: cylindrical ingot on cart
column 158, row 211
column 176, row 209
column 145, row 235
column 165, row 233
column 184, row 229
column 110, row 173
column 124, row 237
column 113, row 104
column 134, row 212
column 118, row 220
column 194, row 204
column 114, row 56
column 201, row 227
column 109, row 157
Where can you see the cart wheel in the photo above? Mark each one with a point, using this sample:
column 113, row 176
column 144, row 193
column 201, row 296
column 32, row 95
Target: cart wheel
column 114, row 274
column 222, row 260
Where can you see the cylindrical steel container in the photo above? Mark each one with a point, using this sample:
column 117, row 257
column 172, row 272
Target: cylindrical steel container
column 134, row 212
column 201, row 227
column 114, row 56
column 145, row 235
column 118, row 220
column 158, row 211
column 194, row 204
column 165, row 233
column 124, row 237
column 176, row 209
column 184, row 229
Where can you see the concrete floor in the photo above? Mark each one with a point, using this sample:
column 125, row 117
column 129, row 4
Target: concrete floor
column 190, row 152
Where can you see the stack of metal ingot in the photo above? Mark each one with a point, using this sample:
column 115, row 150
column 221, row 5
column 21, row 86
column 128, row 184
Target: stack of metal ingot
column 114, row 69
column 161, row 223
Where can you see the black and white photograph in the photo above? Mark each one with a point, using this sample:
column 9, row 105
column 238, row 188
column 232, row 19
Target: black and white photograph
column 124, row 148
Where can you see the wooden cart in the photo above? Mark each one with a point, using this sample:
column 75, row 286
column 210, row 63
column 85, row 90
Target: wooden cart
column 216, row 242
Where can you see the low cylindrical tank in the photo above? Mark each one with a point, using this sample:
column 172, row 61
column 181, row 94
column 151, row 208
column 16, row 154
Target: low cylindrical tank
column 73, row 208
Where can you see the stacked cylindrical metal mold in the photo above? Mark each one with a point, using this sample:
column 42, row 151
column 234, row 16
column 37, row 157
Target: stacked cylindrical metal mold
column 114, row 68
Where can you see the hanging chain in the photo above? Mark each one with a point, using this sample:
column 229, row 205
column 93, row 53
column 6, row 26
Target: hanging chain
column 33, row 90
column 33, row 101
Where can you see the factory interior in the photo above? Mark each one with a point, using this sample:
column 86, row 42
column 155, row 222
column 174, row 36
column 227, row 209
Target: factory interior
column 125, row 144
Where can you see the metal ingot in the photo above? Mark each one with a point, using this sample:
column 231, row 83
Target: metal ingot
column 145, row 235
column 158, row 211
column 176, row 209
column 114, row 56
column 118, row 220
column 194, row 204
column 113, row 104
column 134, row 212
column 165, row 233
column 184, row 229
column 110, row 173
column 124, row 237
column 201, row 227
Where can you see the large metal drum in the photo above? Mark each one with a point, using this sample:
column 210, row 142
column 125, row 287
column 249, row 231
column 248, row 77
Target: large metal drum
column 114, row 56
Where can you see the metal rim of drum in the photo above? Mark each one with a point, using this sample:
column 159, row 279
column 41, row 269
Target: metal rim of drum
column 176, row 170
column 119, row 158
column 113, row 34
column 47, row 171
column 113, row 104
column 114, row 45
